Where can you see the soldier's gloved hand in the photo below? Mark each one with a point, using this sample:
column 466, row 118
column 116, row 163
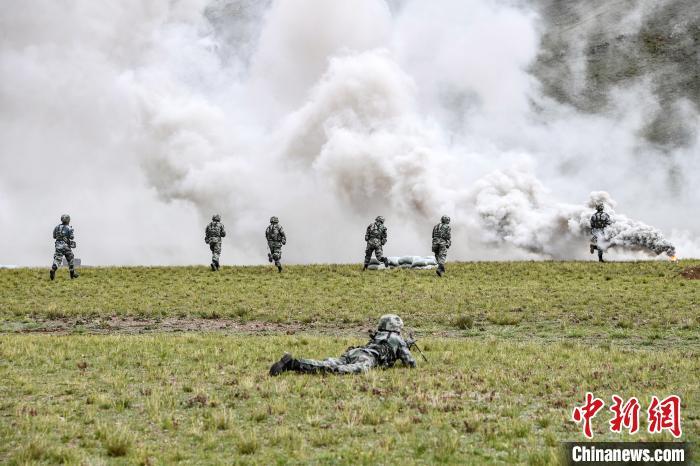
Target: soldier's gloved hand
column 284, row 242
column 410, row 342
column 412, row 364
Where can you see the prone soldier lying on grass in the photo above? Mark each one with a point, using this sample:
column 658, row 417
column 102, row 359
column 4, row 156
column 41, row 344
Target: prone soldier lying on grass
column 385, row 347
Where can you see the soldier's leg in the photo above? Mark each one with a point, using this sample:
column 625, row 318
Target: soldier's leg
column 596, row 241
column 277, row 257
column 362, row 363
column 312, row 366
column 70, row 257
column 218, row 254
column 214, row 255
column 441, row 257
column 342, row 365
column 379, row 253
column 368, row 254
column 57, row 259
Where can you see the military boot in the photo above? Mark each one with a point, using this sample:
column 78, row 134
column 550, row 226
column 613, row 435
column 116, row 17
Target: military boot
column 279, row 268
column 365, row 267
column 286, row 363
column 386, row 262
column 593, row 248
column 440, row 270
column 52, row 272
column 73, row 274
column 216, row 264
column 213, row 267
column 600, row 256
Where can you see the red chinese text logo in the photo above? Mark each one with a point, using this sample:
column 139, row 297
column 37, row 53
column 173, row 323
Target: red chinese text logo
column 665, row 415
column 587, row 412
column 662, row 415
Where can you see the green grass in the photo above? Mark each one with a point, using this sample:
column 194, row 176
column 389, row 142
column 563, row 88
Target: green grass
column 517, row 299
column 206, row 398
column 512, row 348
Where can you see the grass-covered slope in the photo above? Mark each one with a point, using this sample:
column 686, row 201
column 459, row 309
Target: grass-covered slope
column 512, row 348
column 207, row 399
column 550, row 298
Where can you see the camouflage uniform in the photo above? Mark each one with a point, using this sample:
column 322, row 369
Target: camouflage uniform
column 599, row 221
column 212, row 236
column 64, row 244
column 274, row 234
column 442, row 240
column 376, row 238
column 384, row 349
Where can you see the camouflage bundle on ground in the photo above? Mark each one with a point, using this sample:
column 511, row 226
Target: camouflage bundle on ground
column 405, row 262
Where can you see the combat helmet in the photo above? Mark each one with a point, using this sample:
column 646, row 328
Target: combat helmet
column 274, row 220
column 390, row 323
column 445, row 219
column 216, row 218
column 65, row 219
column 379, row 219
column 599, row 207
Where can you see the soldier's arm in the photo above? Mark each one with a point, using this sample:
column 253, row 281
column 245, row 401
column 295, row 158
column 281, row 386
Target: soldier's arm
column 404, row 353
column 55, row 232
column 71, row 235
column 449, row 236
column 384, row 235
column 223, row 231
column 405, row 356
column 608, row 220
column 367, row 232
column 283, row 236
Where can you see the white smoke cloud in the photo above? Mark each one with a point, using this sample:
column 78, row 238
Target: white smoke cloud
column 142, row 121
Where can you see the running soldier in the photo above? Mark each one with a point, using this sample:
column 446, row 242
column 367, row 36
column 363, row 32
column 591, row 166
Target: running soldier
column 599, row 221
column 212, row 236
column 275, row 240
column 442, row 240
column 385, row 347
column 376, row 239
column 64, row 245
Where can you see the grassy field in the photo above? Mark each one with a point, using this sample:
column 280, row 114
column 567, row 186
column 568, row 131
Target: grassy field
column 512, row 348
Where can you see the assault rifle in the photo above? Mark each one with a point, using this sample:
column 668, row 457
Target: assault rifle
column 412, row 344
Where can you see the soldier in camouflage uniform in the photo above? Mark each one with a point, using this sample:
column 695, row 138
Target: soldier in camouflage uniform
column 212, row 236
column 65, row 242
column 276, row 238
column 442, row 240
column 599, row 221
column 385, row 347
column 376, row 238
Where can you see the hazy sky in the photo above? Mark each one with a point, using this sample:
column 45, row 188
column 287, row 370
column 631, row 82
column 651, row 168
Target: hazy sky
column 142, row 119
